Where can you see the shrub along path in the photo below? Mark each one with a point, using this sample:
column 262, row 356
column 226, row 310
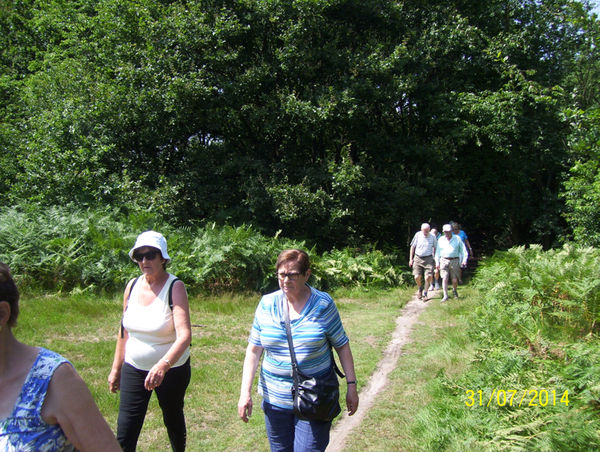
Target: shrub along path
column 401, row 336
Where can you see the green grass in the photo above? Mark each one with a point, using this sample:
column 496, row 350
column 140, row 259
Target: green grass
column 439, row 343
column 486, row 339
column 83, row 328
column 529, row 322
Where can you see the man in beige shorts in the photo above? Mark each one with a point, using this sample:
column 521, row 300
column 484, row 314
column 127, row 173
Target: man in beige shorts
column 450, row 256
column 422, row 248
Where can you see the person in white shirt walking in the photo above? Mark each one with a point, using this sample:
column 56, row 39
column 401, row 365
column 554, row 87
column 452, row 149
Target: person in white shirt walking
column 422, row 248
column 450, row 256
column 153, row 347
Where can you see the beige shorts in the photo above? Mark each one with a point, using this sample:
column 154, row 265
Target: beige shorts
column 450, row 267
column 423, row 265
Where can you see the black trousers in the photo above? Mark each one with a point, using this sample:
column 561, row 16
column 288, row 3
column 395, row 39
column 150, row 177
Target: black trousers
column 134, row 404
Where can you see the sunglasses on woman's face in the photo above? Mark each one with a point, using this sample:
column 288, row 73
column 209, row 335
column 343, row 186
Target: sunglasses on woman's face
column 149, row 255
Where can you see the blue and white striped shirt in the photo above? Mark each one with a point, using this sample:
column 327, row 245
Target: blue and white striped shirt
column 319, row 322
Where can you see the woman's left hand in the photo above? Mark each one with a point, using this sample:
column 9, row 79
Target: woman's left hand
column 156, row 376
column 348, row 364
column 352, row 399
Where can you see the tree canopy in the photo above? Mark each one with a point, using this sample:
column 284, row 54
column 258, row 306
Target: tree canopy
column 342, row 122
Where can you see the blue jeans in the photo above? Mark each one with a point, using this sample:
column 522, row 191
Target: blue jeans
column 287, row 433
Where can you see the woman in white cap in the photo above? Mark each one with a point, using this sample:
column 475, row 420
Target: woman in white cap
column 153, row 346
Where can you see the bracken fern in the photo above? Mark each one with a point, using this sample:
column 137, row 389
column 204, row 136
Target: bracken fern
column 66, row 249
column 535, row 329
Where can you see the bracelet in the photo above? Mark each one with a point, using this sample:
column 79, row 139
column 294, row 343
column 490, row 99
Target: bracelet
column 168, row 362
column 351, row 382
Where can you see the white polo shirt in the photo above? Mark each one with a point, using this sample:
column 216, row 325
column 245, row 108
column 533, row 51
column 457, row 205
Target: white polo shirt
column 424, row 245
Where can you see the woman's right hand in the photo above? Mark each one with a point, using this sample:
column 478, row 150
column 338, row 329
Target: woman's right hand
column 245, row 407
column 253, row 354
column 114, row 380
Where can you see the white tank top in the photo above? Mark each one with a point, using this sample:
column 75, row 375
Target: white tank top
column 151, row 329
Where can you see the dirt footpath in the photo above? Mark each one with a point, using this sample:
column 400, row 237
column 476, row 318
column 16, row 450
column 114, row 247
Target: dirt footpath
column 408, row 316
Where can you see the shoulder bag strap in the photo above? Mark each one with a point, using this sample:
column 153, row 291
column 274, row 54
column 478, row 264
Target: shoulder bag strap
column 171, row 293
column 288, row 330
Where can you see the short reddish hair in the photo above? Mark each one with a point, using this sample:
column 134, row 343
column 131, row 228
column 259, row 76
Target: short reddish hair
column 294, row 256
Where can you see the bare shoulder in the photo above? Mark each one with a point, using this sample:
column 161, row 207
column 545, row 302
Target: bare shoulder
column 65, row 391
column 70, row 404
column 179, row 293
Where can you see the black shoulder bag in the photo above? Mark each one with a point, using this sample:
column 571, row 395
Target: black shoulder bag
column 315, row 399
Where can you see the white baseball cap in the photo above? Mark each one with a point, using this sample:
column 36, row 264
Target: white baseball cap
column 447, row 228
column 154, row 240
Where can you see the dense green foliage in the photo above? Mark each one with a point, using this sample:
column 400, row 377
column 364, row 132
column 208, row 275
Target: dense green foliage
column 536, row 329
column 342, row 122
column 67, row 249
column 582, row 188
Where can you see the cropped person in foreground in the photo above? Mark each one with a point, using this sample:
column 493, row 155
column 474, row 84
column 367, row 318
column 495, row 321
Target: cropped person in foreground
column 315, row 324
column 44, row 403
column 153, row 347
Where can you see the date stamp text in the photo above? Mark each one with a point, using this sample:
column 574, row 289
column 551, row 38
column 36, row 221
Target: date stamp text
column 517, row 398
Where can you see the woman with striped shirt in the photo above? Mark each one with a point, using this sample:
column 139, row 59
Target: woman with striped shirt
column 315, row 324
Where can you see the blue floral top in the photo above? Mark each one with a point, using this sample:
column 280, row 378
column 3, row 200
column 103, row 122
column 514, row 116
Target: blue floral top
column 25, row 430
